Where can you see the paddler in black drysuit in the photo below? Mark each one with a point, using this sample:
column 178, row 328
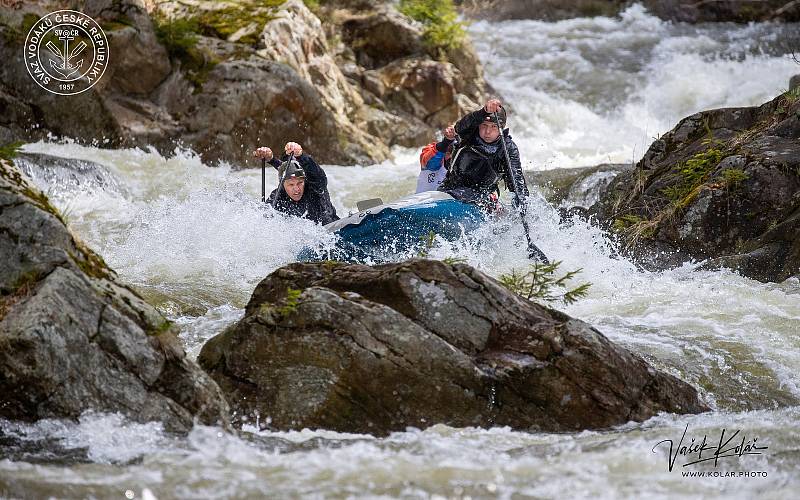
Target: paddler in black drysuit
column 303, row 190
column 478, row 162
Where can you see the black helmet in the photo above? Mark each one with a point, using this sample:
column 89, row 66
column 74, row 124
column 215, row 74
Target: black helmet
column 291, row 168
column 501, row 115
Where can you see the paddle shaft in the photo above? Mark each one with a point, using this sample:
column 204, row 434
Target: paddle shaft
column 533, row 250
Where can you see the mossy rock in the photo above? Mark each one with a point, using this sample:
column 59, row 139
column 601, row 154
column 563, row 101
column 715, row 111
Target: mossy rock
column 442, row 31
column 220, row 20
column 718, row 186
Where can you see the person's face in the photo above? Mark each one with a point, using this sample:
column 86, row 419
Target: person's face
column 489, row 131
column 294, row 187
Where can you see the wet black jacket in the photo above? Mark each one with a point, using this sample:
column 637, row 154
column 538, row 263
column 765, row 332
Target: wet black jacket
column 316, row 203
column 472, row 169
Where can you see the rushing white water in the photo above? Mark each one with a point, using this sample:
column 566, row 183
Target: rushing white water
column 195, row 240
column 440, row 461
column 589, row 91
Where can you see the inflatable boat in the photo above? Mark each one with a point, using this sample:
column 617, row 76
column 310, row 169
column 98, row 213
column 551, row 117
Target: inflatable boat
column 400, row 229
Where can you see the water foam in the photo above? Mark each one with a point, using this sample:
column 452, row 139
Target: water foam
column 588, row 91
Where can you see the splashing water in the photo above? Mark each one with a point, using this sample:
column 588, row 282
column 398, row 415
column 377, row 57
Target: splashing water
column 196, row 240
column 590, row 91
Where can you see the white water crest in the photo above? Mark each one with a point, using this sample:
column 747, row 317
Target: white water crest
column 195, row 240
column 589, row 91
column 438, row 462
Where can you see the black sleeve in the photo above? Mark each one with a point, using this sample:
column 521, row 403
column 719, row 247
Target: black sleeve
column 516, row 165
column 315, row 176
column 468, row 125
column 275, row 162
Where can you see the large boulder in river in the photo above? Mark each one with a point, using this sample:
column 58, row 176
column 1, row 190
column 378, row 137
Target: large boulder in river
column 722, row 185
column 73, row 338
column 376, row 349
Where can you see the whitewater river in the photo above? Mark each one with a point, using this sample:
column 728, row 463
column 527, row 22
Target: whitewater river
column 195, row 242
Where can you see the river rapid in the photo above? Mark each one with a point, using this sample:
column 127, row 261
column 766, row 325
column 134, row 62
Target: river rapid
column 195, row 241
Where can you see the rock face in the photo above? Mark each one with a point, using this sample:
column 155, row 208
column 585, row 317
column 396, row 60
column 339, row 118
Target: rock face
column 295, row 37
column 722, row 185
column 376, row 349
column 73, row 339
column 228, row 117
column 226, row 77
column 669, row 10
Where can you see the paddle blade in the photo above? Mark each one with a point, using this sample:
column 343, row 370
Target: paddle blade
column 367, row 204
column 535, row 253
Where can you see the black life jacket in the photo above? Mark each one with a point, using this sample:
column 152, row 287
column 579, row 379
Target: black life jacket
column 471, row 168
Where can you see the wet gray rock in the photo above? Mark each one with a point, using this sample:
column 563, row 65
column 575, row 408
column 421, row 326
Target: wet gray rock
column 794, row 82
column 381, row 36
column 67, row 174
column 376, row 349
column 73, row 338
column 226, row 118
column 723, row 185
column 17, row 120
column 135, row 47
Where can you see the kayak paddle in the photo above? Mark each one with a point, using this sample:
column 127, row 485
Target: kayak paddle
column 533, row 250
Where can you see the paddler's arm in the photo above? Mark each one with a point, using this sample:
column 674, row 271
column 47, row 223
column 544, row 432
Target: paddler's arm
column 266, row 154
column 468, row 125
column 315, row 176
column 328, row 210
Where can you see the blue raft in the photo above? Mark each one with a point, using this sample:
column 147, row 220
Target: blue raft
column 398, row 229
